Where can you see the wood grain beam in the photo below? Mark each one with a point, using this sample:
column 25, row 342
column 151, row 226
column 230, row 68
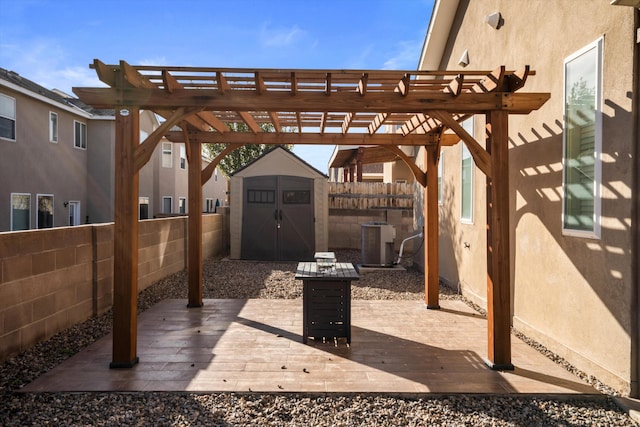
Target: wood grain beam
column 171, row 84
column 404, row 85
column 480, row 156
column 194, row 222
column 418, row 174
column 379, row 102
column 492, row 82
column 144, row 151
column 455, row 86
column 346, row 123
column 207, row 172
column 362, row 85
column 377, row 122
column 327, row 84
column 271, row 138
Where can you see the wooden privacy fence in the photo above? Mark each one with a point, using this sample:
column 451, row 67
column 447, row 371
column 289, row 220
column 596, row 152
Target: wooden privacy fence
column 367, row 195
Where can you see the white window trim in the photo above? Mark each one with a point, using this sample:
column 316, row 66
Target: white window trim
column 170, row 152
column 54, row 138
column 597, row 203
column 140, row 200
column 53, row 214
column 15, row 119
column 183, row 157
column 69, row 207
column 473, row 173
column 209, row 201
column 180, row 200
column 165, row 198
column 85, row 134
column 11, row 209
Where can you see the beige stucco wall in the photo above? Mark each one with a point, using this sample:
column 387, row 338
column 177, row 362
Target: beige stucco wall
column 572, row 294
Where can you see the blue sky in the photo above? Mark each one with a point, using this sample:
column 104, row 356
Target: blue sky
column 53, row 42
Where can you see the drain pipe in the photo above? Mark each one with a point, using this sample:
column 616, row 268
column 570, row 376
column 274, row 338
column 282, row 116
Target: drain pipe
column 402, row 246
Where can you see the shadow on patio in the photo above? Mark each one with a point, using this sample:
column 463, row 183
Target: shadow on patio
column 256, row 345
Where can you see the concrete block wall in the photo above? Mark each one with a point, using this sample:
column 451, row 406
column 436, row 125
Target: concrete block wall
column 345, row 231
column 52, row 279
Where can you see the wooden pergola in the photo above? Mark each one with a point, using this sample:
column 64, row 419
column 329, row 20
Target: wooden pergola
column 327, row 107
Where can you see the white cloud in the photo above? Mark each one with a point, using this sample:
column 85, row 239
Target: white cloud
column 406, row 56
column 280, row 37
column 45, row 62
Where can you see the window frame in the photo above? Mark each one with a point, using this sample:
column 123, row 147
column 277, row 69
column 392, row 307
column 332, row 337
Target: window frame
column 595, row 232
column 11, row 225
column 142, row 199
column 83, row 141
column 168, row 152
column 182, row 205
column 465, row 154
column 53, row 210
column 170, row 198
column 53, row 130
column 183, row 157
column 12, row 119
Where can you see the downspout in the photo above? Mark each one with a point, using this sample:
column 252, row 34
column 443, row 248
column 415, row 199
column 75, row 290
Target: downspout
column 635, row 215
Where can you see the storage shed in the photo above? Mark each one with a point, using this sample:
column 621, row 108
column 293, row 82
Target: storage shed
column 279, row 209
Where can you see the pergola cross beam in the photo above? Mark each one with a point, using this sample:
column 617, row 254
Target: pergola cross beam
column 348, row 107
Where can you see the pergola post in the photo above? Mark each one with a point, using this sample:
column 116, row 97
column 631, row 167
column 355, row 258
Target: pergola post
column 431, row 225
column 359, row 164
column 194, row 251
column 498, row 255
column 125, row 239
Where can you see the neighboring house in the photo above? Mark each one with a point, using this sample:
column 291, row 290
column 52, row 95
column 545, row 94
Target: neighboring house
column 57, row 162
column 574, row 180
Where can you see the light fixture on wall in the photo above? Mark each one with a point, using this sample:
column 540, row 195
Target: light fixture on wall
column 66, row 204
column 494, row 20
column 464, row 59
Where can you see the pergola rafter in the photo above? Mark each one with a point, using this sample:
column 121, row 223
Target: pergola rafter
column 334, row 107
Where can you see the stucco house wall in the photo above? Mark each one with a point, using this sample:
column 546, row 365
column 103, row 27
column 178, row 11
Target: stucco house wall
column 572, row 294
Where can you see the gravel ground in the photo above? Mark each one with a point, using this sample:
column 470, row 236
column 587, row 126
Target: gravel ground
column 234, row 279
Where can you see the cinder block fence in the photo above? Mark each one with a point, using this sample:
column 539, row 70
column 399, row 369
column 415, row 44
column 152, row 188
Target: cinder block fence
column 52, row 279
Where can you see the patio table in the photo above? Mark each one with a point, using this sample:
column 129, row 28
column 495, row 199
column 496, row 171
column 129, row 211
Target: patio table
column 326, row 299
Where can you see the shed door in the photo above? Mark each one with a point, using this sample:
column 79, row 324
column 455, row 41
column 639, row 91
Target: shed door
column 278, row 221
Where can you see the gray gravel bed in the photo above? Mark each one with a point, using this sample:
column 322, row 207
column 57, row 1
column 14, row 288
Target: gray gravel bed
column 236, row 279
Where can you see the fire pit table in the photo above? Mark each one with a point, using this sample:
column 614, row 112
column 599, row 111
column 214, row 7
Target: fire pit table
column 326, row 299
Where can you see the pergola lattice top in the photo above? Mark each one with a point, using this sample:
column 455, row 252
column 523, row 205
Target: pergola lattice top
column 330, row 107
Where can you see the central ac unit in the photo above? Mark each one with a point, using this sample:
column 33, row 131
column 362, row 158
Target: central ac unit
column 377, row 244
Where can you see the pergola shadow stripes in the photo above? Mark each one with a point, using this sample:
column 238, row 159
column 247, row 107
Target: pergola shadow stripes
column 326, row 107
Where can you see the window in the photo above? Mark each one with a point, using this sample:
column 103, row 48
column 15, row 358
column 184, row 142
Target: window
column 440, row 170
column 209, row 205
column 167, row 204
column 261, row 196
column 582, row 141
column 183, row 157
column 74, row 213
column 143, row 208
column 296, row 197
column 466, row 202
column 80, row 135
column 7, row 117
column 167, row 155
column 53, row 127
column 45, row 211
column 182, row 205
column 20, row 211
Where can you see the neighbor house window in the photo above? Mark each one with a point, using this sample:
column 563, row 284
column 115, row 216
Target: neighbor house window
column 80, row 135
column 440, row 170
column 167, row 204
column 466, row 178
column 182, row 205
column 582, row 141
column 20, row 211
column 7, row 117
column 143, row 208
column 53, row 127
column 183, row 157
column 167, row 155
column 45, row 211
column 209, row 205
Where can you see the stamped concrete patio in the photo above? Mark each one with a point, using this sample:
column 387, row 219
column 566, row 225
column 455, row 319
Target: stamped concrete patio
column 256, row 345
